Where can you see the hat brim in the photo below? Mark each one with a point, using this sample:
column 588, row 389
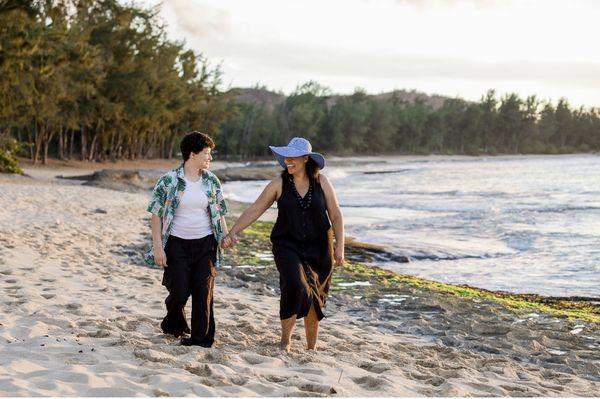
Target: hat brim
column 291, row 152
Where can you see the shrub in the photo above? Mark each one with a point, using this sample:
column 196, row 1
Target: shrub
column 8, row 162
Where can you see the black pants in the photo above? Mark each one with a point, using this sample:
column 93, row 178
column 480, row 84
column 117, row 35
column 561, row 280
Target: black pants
column 190, row 271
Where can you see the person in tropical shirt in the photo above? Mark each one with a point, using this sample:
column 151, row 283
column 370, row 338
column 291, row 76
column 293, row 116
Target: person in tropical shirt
column 188, row 224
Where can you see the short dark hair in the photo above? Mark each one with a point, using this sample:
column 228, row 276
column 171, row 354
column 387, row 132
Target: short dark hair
column 195, row 142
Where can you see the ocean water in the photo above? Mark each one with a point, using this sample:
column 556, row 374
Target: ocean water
column 522, row 224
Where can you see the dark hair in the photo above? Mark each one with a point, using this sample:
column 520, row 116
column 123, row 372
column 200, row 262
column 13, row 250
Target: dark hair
column 195, row 142
column 312, row 170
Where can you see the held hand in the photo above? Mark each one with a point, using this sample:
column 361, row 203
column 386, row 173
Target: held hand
column 229, row 241
column 338, row 255
column 234, row 238
column 160, row 258
column 226, row 242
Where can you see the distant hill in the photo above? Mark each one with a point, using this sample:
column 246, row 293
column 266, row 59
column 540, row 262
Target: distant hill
column 273, row 99
column 257, row 95
column 435, row 100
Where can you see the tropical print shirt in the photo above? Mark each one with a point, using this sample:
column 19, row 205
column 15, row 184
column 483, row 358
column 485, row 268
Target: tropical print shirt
column 165, row 199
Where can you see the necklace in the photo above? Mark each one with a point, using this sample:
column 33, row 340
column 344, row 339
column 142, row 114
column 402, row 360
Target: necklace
column 307, row 200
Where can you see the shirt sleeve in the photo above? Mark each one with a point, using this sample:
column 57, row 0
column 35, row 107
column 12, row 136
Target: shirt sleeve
column 158, row 199
column 220, row 198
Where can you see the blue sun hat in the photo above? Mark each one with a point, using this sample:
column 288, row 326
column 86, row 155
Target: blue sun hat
column 297, row 147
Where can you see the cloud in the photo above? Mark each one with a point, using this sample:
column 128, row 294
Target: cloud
column 341, row 62
column 200, row 20
column 447, row 3
column 433, row 44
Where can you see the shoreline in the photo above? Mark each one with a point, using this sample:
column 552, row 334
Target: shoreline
column 82, row 315
column 583, row 308
column 165, row 162
column 357, row 251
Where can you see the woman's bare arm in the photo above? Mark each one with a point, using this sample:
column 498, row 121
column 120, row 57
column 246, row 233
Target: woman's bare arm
column 269, row 195
column 336, row 217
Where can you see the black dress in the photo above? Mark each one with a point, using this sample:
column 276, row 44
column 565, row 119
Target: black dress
column 302, row 248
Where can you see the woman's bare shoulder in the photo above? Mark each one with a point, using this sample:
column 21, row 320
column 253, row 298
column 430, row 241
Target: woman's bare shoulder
column 324, row 180
column 276, row 182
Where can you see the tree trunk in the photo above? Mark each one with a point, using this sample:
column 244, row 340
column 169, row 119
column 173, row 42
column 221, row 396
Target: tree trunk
column 61, row 144
column 119, row 144
column 30, row 139
column 140, row 148
column 93, row 147
column 171, row 147
column 38, row 143
column 46, row 139
column 83, row 143
column 45, row 154
column 111, row 146
column 71, row 145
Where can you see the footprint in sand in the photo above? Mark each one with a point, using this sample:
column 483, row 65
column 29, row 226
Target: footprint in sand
column 371, row 383
column 74, row 377
column 11, row 281
column 201, row 371
column 427, row 363
column 314, row 387
column 376, row 368
column 486, row 389
column 6, row 272
column 101, row 333
column 155, row 356
column 435, row 381
column 309, row 371
column 253, row 358
column 275, row 378
column 48, row 296
column 516, row 390
column 240, row 306
column 160, row 392
column 452, row 373
column 550, row 385
column 239, row 380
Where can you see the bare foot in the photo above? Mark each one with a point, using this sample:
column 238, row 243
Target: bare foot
column 285, row 346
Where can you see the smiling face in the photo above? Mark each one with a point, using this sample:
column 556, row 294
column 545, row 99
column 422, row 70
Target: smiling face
column 295, row 164
column 201, row 160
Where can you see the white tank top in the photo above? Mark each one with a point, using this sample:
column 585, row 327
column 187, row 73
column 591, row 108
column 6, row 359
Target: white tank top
column 191, row 220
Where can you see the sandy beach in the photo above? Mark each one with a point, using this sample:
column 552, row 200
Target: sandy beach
column 81, row 313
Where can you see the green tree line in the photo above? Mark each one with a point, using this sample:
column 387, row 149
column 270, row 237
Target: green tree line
column 376, row 124
column 99, row 80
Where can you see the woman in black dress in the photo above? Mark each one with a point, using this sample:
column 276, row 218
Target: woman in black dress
column 302, row 236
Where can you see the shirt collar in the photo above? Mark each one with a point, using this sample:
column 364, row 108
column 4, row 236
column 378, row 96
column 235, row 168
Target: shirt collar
column 181, row 173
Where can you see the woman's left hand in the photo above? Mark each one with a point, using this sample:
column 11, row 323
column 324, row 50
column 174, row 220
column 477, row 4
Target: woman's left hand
column 338, row 255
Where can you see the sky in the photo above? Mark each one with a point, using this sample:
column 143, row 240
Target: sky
column 457, row 48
